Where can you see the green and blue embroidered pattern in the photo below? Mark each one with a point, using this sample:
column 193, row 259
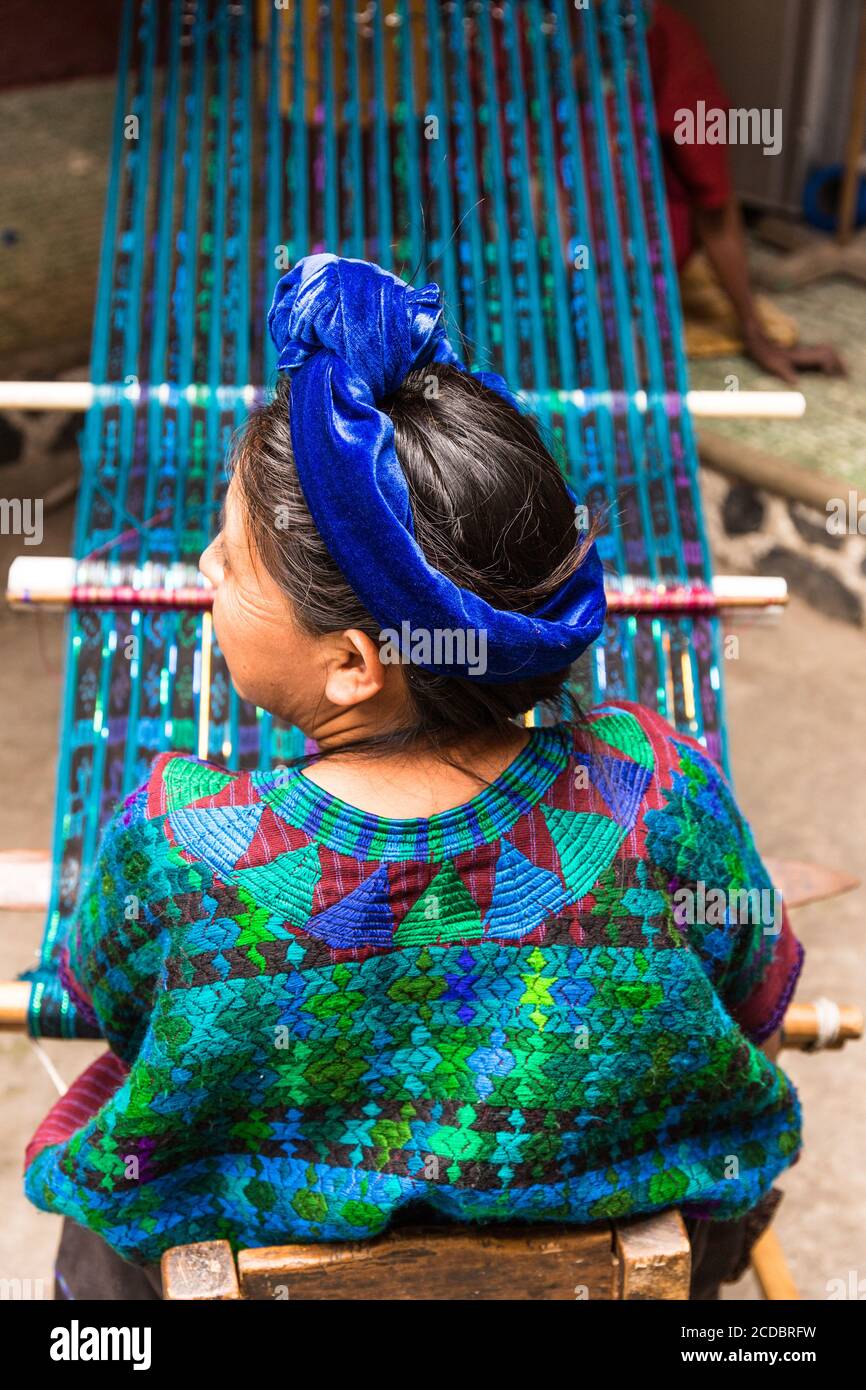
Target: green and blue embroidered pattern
column 323, row 1015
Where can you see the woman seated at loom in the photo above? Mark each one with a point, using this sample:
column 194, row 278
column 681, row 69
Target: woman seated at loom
column 445, row 966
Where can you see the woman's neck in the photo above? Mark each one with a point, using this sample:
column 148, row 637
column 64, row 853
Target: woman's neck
column 416, row 781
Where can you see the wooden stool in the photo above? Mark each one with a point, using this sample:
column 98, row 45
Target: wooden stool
column 647, row 1258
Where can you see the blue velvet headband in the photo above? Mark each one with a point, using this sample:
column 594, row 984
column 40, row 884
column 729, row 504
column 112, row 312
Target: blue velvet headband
column 349, row 333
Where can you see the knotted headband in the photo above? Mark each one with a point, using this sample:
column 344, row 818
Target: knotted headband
column 349, row 333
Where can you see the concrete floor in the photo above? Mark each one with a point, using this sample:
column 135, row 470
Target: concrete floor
column 797, row 722
column 830, row 438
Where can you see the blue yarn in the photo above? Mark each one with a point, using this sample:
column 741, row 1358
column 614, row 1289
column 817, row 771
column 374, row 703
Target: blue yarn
column 349, row 333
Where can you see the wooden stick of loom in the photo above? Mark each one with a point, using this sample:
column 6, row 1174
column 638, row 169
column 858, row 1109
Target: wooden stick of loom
column 59, row 582
column 706, row 405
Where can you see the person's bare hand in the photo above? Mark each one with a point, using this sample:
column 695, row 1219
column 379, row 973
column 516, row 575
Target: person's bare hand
column 817, row 357
column 786, row 362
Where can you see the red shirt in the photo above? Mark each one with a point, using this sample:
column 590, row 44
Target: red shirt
column 696, row 176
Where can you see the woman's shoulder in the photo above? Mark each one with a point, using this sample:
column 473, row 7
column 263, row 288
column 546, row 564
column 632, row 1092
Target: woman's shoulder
column 651, row 777
column 690, row 821
column 625, row 730
column 177, row 781
column 197, row 814
column 179, row 791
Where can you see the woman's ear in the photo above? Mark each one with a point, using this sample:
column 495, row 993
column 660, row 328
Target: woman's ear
column 353, row 668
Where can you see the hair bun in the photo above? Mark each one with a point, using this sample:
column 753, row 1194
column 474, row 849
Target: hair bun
column 374, row 322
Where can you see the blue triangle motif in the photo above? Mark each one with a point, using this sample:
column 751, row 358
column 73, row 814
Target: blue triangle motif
column 362, row 918
column 217, row 835
column 621, row 782
column 523, row 895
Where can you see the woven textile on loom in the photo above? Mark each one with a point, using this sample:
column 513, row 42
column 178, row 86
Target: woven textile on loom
column 506, row 152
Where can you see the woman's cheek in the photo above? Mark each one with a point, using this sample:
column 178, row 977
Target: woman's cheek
column 225, row 624
column 217, row 616
column 239, row 642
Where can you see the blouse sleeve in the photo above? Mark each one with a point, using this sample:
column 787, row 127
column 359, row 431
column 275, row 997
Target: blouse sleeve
column 723, row 896
column 118, row 946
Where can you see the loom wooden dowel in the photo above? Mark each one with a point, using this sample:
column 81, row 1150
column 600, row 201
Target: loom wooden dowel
column 125, row 596
column 204, row 686
column 728, row 591
column 770, row 473
column 46, row 395
column 800, row 882
column 743, row 405
column 14, row 1005
column 749, row 600
column 25, row 880
column 706, row 405
column 771, row 1268
column 81, row 395
column 801, row 1027
column 54, row 582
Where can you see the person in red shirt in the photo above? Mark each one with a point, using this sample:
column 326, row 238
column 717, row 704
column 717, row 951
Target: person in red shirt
column 702, row 205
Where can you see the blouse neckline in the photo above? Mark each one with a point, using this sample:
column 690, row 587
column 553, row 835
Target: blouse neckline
column 364, row 835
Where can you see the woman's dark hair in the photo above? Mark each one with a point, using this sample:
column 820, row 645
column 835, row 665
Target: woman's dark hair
column 490, row 511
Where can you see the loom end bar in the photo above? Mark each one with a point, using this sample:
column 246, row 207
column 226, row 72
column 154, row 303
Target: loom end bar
column 800, row 882
column 705, row 405
column 742, row 405
column 750, row 591
column 59, row 582
column 14, row 1006
column 47, row 395
column 822, row 1024
column 771, row 1269
column 25, row 880
column 645, row 597
column 46, row 580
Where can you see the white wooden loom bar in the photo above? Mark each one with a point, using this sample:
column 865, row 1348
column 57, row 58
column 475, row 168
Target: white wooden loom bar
column 52, row 581
column 706, row 405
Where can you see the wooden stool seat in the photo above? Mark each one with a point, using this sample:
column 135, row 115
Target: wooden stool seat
column 646, row 1258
